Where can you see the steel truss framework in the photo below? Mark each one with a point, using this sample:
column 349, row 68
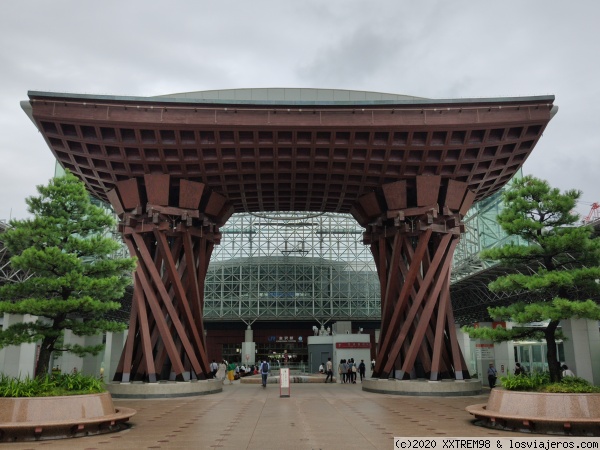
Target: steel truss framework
column 7, row 273
column 292, row 266
column 482, row 232
column 471, row 274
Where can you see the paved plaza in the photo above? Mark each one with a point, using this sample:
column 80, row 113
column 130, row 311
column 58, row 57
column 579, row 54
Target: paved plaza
column 315, row 416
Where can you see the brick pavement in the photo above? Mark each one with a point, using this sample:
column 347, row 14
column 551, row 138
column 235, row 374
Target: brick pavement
column 315, row 416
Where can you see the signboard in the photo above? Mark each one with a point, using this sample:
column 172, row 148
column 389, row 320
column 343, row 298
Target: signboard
column 285, row 339
column 484, row 351
column 352, row 345
column 284, row 382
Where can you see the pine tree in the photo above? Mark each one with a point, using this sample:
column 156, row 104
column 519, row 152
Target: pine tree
column 74, row 280
column 566, row 256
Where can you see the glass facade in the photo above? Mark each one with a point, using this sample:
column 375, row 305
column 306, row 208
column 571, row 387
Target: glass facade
column 533, row 355
column 482, row 232
column 298, row 266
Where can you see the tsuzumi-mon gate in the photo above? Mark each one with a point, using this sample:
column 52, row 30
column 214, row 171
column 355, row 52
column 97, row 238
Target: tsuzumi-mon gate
column 176, row 167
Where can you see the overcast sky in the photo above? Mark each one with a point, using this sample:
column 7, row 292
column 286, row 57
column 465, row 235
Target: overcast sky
column 435, row 49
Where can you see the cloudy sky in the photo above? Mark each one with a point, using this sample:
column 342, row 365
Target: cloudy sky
column 435, row 49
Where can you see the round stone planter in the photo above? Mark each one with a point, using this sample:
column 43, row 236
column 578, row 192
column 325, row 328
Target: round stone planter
column 164, row 389
column 540, row 412
column 274, row 379
column 38, row 418
column 423, row 387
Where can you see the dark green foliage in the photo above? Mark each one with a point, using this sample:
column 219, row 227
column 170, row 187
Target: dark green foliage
column 540, row 382
column 574, row 385
column 566, row 256
column 75, row 280
column 50, row 385
column 525, row 382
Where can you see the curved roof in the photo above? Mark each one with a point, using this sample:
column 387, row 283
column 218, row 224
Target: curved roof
column 290, row 149
column 293, row 95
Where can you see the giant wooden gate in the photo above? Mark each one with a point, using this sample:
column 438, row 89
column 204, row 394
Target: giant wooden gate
column 176, row 167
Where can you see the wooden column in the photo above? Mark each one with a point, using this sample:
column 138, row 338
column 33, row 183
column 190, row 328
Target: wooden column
column 173, row 245
column 413, row 228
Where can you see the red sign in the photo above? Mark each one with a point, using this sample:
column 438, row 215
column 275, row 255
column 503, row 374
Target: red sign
column 352, row 345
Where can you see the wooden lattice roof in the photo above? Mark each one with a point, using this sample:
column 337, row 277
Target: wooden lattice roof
column 290, row 155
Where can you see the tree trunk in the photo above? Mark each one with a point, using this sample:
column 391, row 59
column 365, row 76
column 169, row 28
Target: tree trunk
column 551, row 355
column 43, row 362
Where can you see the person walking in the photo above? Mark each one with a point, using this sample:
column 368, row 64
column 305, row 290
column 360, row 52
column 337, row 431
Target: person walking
column 492, row 375
column 221, row 371
column 231, row 372
column 214, row 367
column 351, row 371
column 329, row 370
column 342, row 370
column 362, row 369
column 264, row 372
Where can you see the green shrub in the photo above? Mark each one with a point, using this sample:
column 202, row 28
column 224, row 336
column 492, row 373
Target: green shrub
column 523, row 382
column 50, row 385
column 540, row 382
column 574, row 385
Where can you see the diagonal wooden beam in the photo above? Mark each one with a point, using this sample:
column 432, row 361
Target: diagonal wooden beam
column 206, row 247
column 431, row 304
column 402, row 298
column 195, row 296
column 123, row 372
column 423, row 290
column 392, row 282
column 441, row 322
column 145, row 337
column 461, row 371
column 182, row 297
column 166, row 299
column 144, row 255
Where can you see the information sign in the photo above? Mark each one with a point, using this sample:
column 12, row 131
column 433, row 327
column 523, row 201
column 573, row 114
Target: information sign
column 284, row 382
column 484, row 351
column 352, row 345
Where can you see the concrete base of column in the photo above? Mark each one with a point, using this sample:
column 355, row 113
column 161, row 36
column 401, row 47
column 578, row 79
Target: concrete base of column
column 422, row 387
column 164, row 389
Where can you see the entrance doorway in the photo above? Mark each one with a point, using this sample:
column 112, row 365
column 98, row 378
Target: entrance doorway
column 532, row 355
